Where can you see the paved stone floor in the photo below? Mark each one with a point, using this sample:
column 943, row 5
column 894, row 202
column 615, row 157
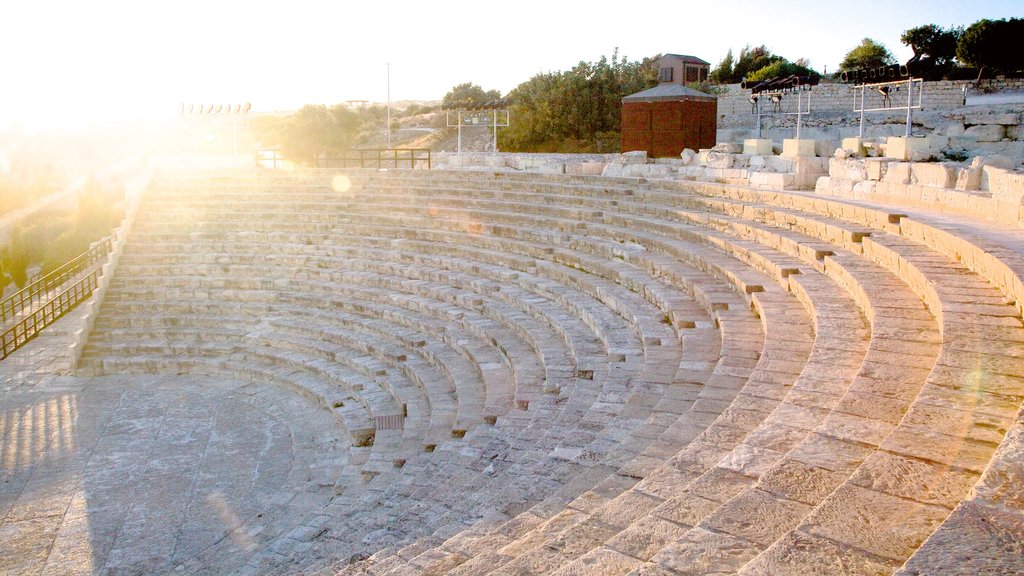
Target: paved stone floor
column 140, row 474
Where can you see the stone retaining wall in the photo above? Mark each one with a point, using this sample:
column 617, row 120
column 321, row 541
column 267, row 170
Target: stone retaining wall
column 734, row 105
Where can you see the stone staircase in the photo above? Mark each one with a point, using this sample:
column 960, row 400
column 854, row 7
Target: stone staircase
column 567, row 375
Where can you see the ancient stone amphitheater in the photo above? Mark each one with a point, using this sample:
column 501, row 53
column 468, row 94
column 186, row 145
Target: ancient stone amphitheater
column 435, row 372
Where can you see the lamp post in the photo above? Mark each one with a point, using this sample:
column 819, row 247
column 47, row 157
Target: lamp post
column 389, row 105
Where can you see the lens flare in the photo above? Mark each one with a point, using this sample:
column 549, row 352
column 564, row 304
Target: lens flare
column 341, row 184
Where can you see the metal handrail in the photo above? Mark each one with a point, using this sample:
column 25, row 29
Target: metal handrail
column 377, row 158
column 37, row 290
column 29, row 327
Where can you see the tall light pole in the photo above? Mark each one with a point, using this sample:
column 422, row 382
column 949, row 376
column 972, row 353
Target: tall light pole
column 389, row 105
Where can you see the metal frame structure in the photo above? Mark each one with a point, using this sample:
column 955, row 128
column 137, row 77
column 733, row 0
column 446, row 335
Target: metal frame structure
column 204, row 112
column 500, row 117
column 757, row 104
column 885, row 88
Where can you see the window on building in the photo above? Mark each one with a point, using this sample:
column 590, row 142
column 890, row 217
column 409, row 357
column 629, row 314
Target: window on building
column 666, row 75
column 693, row 74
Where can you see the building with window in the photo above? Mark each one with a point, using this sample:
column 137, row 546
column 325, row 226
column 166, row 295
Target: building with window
column 681, row 69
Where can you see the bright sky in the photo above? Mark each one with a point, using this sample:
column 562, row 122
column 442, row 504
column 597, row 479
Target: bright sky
column 74, row 62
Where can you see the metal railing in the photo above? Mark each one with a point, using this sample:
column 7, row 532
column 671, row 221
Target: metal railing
column 37, row 291
column 377, row 158
column 29, row 327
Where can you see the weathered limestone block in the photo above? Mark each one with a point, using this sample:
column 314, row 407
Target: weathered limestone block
column 969, row 179
column 985, row 133
column 954, row 129
column 855, row 146
column 740, row 160
column 1015, row 132
column 495, row 162
column 552, row 168
column 990, row 119
column 634, row 157
column 757, row 146
column 897, row 173
column 849, row 169
column 994, row 161
column 718, row 160
column 997, row 160
column 792, row 147
column 903, row 148
column 688, row 156
column 586, row 168
column 817, row 166
column 772, row 180
column 1005, row 185
column 612, row 170
column 875, row 169
column 728, row 148
column 779, row 163
column 935, row 174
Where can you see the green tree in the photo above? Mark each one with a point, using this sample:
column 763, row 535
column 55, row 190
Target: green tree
column 315, row 128
column 15, row 259
column 992, row 44
column 934, row 50
column 868, row 54
column 722, row 74
column 783, row 68
column 468, row 94
column 577, row 110
column 751, row 60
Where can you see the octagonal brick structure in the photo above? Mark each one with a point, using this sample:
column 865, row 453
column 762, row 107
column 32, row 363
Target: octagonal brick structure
column 668, row 118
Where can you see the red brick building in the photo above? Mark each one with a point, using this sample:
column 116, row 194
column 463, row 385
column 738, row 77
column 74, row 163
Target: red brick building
column 668, row 118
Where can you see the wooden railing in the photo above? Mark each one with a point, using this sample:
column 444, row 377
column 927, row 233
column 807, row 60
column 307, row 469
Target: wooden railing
column 39, row 290
column 29, row 327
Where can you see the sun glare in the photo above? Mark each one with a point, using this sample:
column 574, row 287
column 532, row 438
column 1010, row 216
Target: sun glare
column 341, row 184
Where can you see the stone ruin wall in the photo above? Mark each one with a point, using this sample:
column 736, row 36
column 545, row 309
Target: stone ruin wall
column 981, row 129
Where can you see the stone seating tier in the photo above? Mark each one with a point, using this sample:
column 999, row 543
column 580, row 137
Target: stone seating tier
column 601, row 375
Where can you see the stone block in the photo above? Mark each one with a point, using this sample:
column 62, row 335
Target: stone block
column 758, row 146
column 728, row 148
column 495, row 162
column 688, row 156
column 1015, row 132
column 553, row 168
column 718, row 160
column 903, row 148
column 996, row 160
column 992, row 119
column 934, row 174
column 612, row 171
column 875, row 169
column 633, row 157
column 985, row 133
column 1005, row 185
column 816, row 166
column 779, row 163
column 969, row 179
column 897, row 173
column 852, row 170
column 586, row 168
column 772, row 180
column 854, row 145
column 792, row 147
column 954, row 129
